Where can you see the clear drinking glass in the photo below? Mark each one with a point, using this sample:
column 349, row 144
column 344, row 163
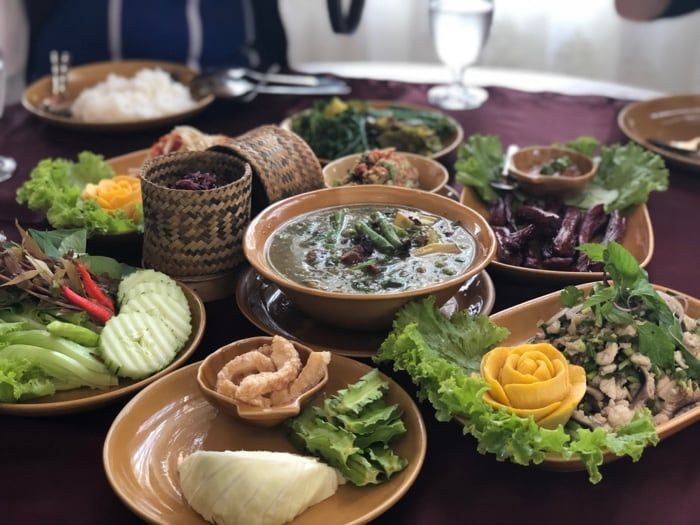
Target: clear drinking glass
column 3, row 83
column 460, row 29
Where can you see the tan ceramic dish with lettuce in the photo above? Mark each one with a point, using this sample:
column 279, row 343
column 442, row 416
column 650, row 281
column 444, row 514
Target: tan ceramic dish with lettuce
column 522, row 321
column 357, row 310
column 86, row 76
column 638, row 240
column 449, row 145
column 171, row 419
column 432, row 176
column 263, row 417
column 81, row 399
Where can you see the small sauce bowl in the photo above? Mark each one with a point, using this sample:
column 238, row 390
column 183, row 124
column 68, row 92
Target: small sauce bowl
column 528, row 159
column 263, row 417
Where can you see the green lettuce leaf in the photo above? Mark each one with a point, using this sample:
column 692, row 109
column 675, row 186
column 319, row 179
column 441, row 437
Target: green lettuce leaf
column 457, row 394
column 626, row 176
column 584, row 144
column 479, row 162
column 20, row 379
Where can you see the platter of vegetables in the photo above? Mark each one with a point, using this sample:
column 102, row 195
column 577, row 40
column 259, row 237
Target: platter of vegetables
column 78, row 331
column 335, row 128
column 350, row 455
column 88, row 193
column 569, row 380
column 538, row 235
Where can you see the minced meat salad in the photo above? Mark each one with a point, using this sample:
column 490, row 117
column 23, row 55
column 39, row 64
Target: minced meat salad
column 383, row 166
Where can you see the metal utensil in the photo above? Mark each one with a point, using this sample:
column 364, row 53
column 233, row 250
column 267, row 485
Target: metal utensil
column 60, row 67
column 237, row 88
column 262, row 82
column 278, row 78
column 688, row 147
column 505, row 183
column 8, row 165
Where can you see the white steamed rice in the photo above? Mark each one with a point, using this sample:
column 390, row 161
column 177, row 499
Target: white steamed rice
column 151, row 93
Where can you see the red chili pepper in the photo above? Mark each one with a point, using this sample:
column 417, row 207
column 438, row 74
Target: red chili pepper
column 97, row 311
column 92, row 289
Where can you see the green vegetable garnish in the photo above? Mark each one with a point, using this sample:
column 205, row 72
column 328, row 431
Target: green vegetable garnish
column 423, row 344
column 352, row 431
column 479, row 162
column 55, row 185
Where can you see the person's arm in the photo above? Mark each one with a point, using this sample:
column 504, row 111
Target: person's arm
column 642, row 10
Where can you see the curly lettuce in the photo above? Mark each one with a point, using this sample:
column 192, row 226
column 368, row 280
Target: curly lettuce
column 55, row 185
column 479, row 162
column 20, row 379
column 424, row 344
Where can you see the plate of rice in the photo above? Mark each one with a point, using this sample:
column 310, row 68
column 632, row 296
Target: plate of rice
column 121, row 96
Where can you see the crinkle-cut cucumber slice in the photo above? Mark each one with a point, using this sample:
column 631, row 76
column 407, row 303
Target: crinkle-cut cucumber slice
column 173, row 312
column 141, row 276
column 137, row 345
column 170, row 289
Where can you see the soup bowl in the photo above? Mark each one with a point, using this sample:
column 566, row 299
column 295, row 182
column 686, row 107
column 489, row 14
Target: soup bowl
column 363, row 311
column 432, row 176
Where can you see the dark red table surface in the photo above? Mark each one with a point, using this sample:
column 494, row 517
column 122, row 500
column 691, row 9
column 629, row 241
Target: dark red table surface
column 51, row 468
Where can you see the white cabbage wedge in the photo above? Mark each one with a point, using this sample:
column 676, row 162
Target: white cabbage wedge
column 254, row 488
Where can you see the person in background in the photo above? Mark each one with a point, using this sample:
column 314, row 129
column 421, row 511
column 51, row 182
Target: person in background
column 203, row 34
column 642, row 10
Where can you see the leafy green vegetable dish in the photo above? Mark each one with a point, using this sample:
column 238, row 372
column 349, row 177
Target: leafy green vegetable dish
column 336, row 128
column 638, row 346
column 55, row 186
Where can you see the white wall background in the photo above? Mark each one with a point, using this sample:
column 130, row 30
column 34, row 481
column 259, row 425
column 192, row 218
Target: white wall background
column 577, row 37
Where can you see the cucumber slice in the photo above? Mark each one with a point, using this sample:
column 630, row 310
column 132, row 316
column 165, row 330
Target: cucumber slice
column 138, row 277
column 136, row 345
column 175, row 313
column 170, row 289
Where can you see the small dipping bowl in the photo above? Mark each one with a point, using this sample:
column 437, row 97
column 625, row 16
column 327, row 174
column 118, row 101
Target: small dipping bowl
column 432, row 176
column 262, row 417
column 526, row 159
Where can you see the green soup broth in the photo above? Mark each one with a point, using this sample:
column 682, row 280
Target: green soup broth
column 370, row 249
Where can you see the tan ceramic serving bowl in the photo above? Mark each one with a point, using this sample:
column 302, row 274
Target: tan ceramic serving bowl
column 355, row 310
column 525, row 159
column 432, row 176
column 86, row 76
column 263, row 417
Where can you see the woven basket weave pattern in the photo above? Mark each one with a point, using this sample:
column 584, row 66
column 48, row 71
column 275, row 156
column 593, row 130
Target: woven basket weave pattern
column 281, row 160
column 194, row 233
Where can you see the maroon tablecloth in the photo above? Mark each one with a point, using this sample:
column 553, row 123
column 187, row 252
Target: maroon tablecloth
column 51, row 468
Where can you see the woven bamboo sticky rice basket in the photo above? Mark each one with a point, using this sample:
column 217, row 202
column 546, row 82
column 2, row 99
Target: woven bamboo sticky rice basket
column 195, row 235
column 283, row 163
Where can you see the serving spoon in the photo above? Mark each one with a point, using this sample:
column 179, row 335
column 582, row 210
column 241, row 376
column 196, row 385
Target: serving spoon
column 505, row 183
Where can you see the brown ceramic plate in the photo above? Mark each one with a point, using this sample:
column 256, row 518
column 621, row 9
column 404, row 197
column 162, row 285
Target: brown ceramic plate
column 432, row 175
column 638, row 239
column 80, row 399
column 268, row 308
column 450, row 144
column 522, row 321
column 667, row 118
column 87, row 76
column 171, row 419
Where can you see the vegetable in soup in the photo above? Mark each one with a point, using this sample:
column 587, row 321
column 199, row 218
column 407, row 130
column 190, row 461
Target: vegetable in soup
column 370, row 249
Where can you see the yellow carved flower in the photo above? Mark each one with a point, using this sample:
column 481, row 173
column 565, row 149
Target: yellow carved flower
column 121, row 192
column 533, row 380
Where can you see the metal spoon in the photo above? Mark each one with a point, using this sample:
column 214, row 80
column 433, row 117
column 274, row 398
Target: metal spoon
column 506, row 184
column 238, row 88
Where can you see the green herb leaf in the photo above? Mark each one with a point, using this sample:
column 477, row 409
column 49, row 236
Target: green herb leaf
column 657, row 344
column 585, row 144
column 57, row 243
column 570, row 296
